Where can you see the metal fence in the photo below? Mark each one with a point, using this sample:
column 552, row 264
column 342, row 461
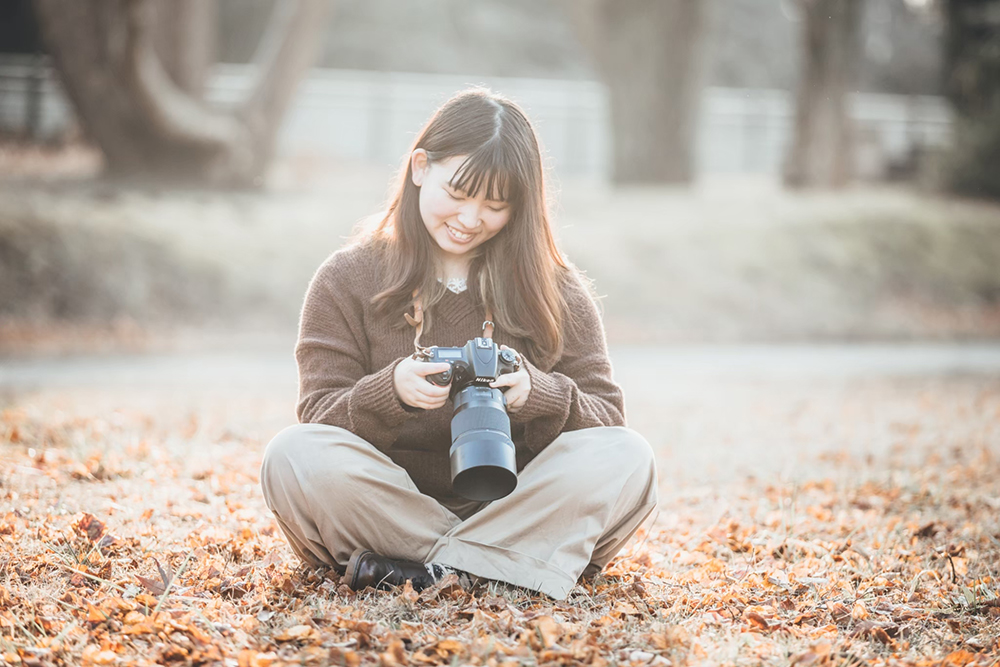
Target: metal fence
column 374, row 116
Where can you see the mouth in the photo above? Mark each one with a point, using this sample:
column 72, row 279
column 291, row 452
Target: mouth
column 457, row 236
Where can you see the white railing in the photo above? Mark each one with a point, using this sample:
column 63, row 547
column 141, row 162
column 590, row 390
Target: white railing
column 374, row 116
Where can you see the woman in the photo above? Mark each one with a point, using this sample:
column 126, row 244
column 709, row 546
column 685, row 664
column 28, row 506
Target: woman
column 363, row 483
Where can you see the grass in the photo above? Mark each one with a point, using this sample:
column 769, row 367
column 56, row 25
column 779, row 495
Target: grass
column 724, row 261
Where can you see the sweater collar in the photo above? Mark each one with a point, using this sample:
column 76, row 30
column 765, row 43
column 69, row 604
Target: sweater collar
column 455, row 308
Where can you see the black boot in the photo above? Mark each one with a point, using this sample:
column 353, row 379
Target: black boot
column 367, row 568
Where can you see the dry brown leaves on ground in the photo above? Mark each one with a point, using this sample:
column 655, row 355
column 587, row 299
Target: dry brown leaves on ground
column 133, row 540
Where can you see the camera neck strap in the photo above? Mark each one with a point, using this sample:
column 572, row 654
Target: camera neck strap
column 417, row 322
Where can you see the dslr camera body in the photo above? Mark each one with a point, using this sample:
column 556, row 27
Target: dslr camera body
column 483, row 466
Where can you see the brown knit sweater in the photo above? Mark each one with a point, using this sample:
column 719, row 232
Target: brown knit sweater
column 346, row 356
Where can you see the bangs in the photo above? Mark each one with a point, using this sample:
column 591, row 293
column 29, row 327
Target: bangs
column 489, row 170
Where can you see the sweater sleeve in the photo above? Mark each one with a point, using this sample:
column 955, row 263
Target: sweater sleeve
column 335, row 385
column 578, row 392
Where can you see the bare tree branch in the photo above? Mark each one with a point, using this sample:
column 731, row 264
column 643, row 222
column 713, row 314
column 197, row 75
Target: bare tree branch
column 287, row 49
column 136, row 107
column 586, row 18
column 282, row 15
column 173, row 113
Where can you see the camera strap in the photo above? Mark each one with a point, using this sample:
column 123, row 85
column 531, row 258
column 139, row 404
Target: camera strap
column 417, row 322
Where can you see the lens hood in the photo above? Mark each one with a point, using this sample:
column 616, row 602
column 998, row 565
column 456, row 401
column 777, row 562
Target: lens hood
column 483, row 462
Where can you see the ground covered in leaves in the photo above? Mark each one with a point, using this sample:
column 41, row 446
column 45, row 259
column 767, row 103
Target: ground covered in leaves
column 138, row 535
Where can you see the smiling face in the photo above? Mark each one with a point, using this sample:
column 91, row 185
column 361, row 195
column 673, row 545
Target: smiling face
column 458, row 221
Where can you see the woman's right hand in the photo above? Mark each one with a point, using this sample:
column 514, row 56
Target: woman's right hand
column 410, row 381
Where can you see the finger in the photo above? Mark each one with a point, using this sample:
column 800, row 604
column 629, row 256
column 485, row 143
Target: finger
column 508, row 380
column 512, row 396
column 416, row 403
column 428, row 404
column 430, row 392
column 434, row 393
column 521, row 397
column 432, row 403
column 512, row 379
column 424, row 368
column 424, row 384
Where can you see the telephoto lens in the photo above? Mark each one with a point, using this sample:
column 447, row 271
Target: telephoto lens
column 483, row 466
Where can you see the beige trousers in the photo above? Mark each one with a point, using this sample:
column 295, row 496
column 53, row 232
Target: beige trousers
column 575, row 506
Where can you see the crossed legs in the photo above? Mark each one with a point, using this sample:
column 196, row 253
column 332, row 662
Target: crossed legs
column 575, row 506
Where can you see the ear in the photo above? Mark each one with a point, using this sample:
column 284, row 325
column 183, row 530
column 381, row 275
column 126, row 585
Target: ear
column 419, row 164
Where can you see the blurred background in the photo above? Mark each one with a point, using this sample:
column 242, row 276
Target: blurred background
column 732, row 171
column 790, row 208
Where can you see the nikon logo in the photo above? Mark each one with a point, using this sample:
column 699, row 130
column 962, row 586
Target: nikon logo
column 486, row 380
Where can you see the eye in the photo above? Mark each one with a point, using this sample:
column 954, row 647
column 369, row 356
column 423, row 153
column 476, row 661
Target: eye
column 453, row 192
column 498, row 209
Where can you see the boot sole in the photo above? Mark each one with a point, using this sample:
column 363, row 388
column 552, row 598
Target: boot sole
column 351, row 573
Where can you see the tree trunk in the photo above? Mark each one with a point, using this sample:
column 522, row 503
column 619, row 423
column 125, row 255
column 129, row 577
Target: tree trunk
column 651, row 55
column 820, row 154
column 135, row 82
column 186, row 41
column 972, row 82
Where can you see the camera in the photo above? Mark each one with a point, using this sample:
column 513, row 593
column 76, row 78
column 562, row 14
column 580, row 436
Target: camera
column 483, row 466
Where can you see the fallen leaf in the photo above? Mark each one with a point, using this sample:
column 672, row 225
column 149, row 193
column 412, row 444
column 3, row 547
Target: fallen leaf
column 626, row 609
column 98, row 657
column 166, row 575
column 152, row 585
column 840, row 613
column 758, row 620
column 959, row 658
column 133, row 617
column 345, row 657
column 296, row 633
column 394, row 656
column 408, row 595
column 548, row 631
column 881, row 635
column 95, row 615
column 90, row 526
column 447, row 586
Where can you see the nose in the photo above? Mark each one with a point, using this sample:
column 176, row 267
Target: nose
column 468, row 215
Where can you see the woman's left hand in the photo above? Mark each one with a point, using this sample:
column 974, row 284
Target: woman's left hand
column 518, row 385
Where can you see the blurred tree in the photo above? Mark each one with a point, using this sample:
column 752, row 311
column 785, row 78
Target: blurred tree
column 651, row 54
column 135, row 69
column 820, row 152
column 972, row 82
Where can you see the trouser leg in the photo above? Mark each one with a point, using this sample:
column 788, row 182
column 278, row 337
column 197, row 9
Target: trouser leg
column 575, row 506
column 333, row 492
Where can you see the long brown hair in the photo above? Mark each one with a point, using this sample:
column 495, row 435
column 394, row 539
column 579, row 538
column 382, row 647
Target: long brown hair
column 517, row 272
